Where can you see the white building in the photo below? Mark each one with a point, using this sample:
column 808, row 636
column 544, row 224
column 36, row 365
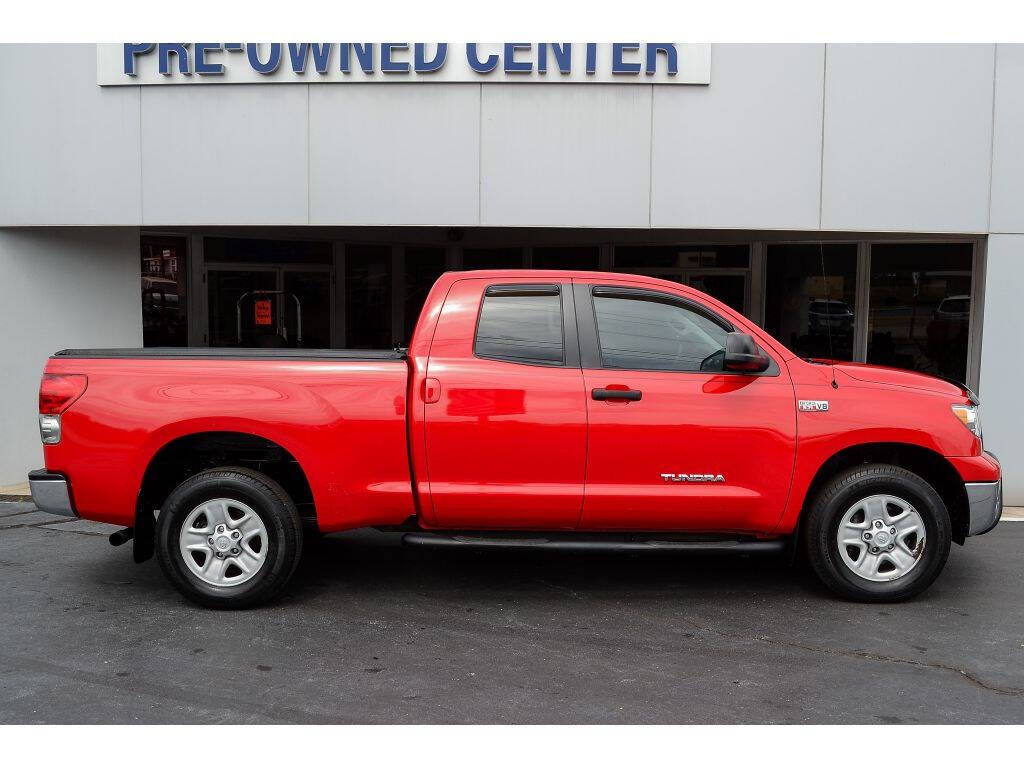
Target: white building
column 880, row 183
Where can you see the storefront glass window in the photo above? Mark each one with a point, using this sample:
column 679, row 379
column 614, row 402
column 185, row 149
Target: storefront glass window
column 630, row 257
column 233, row 250
column 920, row 307
column 805, row 304
column 368, row 297
column 422, row 268
column 492, row 258
column 164, row 292
column 313, row 291
column 586, row 257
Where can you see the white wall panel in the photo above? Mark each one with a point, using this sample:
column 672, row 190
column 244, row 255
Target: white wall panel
column 1002, row 367
column 907, row 137
column 61, row 288
column 565, row 155
column 230, row 154
column 746, row 151
column 394, row 154
column 1008, row 141
column 69, row 150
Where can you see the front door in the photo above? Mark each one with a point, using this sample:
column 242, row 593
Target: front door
column 505, row 415
column 675, row 443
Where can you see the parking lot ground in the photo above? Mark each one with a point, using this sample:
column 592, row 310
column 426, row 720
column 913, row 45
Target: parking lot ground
column 373, row 632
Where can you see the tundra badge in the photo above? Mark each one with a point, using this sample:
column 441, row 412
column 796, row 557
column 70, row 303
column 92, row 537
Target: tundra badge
column 670, row 477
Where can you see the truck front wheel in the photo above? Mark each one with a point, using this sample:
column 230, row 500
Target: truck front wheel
column 229, row 538
column 877, row 533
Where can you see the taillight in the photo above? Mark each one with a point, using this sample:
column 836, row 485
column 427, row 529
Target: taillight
column 58, row 391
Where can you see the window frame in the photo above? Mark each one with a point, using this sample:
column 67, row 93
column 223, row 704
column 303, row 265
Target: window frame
column 590, row 340
column 570, row 349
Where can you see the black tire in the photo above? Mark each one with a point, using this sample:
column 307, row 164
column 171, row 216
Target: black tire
column 274, row 508
column 822, row 519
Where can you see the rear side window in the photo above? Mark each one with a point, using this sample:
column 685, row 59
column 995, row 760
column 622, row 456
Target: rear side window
column 521, row 324
column 650, row 335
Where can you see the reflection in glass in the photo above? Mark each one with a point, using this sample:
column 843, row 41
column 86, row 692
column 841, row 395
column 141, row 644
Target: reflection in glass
column 164, row 292
column 805, row 305
column 920, row 307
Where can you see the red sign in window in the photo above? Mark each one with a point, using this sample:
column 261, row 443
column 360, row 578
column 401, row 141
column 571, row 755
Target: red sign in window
column 262, row 309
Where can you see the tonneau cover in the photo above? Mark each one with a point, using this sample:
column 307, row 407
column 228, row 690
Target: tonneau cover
column 232, row 353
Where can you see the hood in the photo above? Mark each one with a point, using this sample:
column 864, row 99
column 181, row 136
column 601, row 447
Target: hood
column 880, row 374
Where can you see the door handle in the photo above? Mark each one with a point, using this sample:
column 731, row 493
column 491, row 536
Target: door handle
column 601, row 393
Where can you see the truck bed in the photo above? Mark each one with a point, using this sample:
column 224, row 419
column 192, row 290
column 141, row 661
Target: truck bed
column 339, row 413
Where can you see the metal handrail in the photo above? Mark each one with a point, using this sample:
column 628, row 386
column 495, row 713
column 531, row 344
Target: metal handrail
column 298, row 313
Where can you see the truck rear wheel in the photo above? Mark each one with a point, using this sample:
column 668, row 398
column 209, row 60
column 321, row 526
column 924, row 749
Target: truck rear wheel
column 229, row 538
column 877, row 533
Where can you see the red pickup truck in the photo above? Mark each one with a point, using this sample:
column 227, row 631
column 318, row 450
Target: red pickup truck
column 575, row 410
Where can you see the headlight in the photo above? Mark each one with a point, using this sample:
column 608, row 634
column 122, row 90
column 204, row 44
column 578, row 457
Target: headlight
column 968, row 415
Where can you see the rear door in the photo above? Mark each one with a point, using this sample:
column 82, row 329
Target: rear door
column 675, row 443
column 504, row 408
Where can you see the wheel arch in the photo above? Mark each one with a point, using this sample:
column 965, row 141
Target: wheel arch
column 188, row 454
column 930, row 465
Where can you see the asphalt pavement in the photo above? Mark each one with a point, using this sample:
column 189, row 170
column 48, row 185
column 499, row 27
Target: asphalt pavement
column 373, row 632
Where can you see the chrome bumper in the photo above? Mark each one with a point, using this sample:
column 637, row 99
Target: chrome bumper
column 51, row 493
column 985, row 501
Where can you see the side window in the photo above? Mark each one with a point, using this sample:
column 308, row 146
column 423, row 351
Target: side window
column 521, row 324
column 642, row 333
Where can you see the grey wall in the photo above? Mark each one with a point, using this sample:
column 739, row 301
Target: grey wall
column 58, row 288
column 1002, row 365
column 797, row 137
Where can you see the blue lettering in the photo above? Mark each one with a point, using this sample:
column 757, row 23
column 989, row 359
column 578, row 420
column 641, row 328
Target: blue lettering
column 131, row 50
column 669, row 49
column 511, row 65
column 591, row 58
column 321, row 56
column 480, row 66
column 180, row 51
column 298, row 53
column 422, row 65
column 387, row 63
column 619, row 67
column 364, row 55
column 252, row 50
column 563, row 56
column 203, row 67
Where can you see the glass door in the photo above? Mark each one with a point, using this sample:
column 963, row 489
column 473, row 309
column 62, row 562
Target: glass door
column 254, row 323
column 269, row 306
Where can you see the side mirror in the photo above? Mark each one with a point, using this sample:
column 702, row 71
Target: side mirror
column 742, row 354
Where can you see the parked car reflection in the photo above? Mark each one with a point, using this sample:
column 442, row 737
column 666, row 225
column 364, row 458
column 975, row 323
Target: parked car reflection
column 825, row 315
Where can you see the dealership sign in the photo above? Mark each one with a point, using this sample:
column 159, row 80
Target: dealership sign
column 199, row 63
